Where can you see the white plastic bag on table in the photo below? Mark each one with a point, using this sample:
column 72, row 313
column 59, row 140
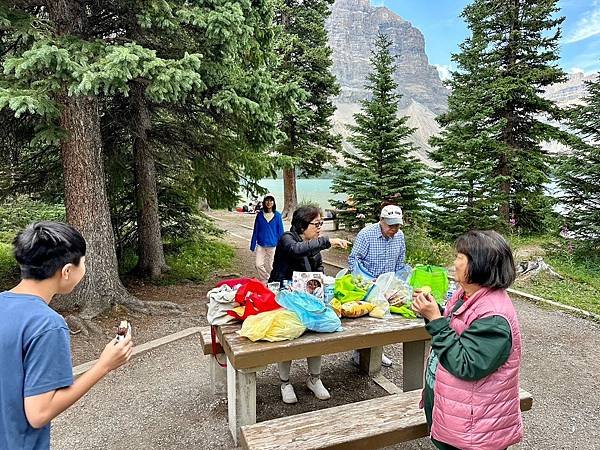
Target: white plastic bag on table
column 221, row 300
column 390, row 288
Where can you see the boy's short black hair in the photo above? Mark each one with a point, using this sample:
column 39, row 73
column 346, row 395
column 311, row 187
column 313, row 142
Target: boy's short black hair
column 45, row 247
column 303, row 216
column 491, row 262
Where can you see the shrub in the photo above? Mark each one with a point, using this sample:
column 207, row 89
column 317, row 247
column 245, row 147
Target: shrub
column 17, row 213
column 423, row 249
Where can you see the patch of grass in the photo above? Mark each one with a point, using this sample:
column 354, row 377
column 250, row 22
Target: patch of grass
column 196, row 260
column 581, row 272
column 193, row 260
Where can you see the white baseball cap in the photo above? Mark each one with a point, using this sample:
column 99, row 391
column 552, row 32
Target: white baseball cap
column 392, row 215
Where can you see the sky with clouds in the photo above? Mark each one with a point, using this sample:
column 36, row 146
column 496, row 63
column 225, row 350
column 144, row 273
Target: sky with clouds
column 444, row 30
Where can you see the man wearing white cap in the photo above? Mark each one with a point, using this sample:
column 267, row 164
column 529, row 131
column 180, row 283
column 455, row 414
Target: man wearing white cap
column 380, row 248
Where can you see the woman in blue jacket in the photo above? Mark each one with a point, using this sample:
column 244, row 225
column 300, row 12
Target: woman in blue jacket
column 268, row 228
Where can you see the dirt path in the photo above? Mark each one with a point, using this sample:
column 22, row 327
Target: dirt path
column 162, row 399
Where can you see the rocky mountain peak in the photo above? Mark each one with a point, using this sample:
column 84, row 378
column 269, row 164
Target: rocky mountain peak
column 353, row 27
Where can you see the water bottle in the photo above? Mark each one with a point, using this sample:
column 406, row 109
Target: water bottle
column 450, row 293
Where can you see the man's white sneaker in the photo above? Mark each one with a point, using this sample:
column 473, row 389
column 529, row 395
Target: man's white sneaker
column 287, row 394
column 316, row 385
column 385, row 361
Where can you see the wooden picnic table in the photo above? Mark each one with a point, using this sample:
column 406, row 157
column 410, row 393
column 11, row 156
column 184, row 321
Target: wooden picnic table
column 245, row 358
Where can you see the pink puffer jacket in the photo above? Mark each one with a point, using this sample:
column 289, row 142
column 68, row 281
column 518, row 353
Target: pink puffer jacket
column 483, row 414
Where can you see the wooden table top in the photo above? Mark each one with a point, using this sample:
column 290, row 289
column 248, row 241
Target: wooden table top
column 362, row 332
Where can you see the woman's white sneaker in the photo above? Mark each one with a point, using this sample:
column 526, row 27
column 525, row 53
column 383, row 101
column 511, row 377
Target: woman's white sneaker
column 287, row 393
column 316, row 385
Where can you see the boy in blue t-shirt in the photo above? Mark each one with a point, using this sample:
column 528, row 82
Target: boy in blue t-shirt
column 36, row 377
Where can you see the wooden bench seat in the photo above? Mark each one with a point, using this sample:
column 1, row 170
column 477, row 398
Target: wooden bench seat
column 374, row 423
column 206, row 342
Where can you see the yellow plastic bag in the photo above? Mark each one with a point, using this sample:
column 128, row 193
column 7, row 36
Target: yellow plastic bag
column 277, row 325
column 356, row 309
column 336, row 306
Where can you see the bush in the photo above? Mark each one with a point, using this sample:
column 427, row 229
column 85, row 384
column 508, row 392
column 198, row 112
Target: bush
column 17, row 213
column 423, row 249
column 9, row 270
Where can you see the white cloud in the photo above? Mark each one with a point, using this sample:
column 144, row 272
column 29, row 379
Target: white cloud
column 576, row 70
column 587, row 26
column 443, row 71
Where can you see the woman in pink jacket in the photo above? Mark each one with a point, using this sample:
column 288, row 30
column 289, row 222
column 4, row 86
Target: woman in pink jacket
column 471, row 393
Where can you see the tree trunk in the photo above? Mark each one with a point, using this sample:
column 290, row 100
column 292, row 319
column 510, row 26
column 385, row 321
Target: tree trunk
column 290, row 196
column 86, row 200
column 87, row 208
column 151, row 262
column 504, row 209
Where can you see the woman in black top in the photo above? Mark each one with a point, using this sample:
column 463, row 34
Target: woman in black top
column 300, row 250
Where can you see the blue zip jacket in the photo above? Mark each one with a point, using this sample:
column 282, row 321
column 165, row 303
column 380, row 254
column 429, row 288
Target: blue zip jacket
column 266, row 234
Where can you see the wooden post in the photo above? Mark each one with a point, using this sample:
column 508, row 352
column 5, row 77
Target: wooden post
column 413, row 362
column 370, row 360
column 218, row 375
column 241, row 399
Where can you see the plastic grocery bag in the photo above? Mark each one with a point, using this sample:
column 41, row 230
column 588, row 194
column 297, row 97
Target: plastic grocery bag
column 356, row 309
column 313, row 313
column 360, row 271
column 346, row 289
column 277, row 325
column 391, row 288
column 435, row 277
column 255, row 297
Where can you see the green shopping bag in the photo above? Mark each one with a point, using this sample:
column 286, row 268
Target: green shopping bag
column 435, row 277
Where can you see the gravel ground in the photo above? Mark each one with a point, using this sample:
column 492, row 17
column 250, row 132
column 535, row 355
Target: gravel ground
column 162, row 399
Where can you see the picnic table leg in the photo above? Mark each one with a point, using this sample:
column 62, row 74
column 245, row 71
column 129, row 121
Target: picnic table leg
column 413, row 362
column 241, row 399
column 218, row 374
column 370, row 360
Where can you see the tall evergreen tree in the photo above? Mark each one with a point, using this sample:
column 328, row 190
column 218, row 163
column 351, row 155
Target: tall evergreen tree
column 579, row 174
column 384, row 169
column 70, row 52
column 306, row 64
column 492, row 165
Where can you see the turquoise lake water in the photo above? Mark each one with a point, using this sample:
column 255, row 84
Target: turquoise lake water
column 309, row 190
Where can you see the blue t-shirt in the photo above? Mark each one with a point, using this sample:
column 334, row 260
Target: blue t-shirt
column 35, row 351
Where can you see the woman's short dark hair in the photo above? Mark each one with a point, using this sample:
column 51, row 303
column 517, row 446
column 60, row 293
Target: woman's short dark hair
column 45, row 247
column 491, row 263
column 303, row 216
column 264, row 206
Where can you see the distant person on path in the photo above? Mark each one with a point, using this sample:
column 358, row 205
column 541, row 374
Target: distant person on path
column 300, row 250
column 379, row 248
column 473, row 367
column 36, row 375
column 268, row 228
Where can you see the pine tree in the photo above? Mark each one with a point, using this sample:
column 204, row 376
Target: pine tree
column 492, row 165
column 306, row 67
column 579, row 174
column 71, row 53
column 384, row 170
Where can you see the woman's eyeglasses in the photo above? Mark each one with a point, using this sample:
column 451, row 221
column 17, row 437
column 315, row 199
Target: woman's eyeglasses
column 317, row 224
